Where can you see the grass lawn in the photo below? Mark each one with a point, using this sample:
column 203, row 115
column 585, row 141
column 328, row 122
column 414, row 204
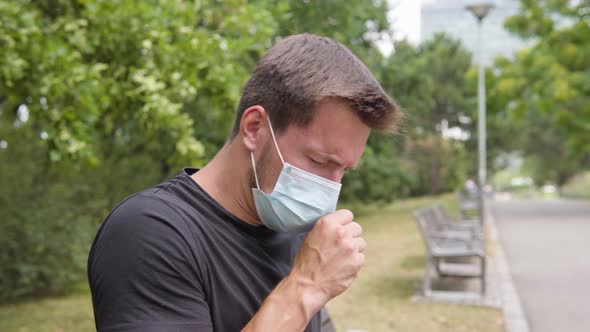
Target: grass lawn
column 578, row 187
column 69, row 313
column 379, row 300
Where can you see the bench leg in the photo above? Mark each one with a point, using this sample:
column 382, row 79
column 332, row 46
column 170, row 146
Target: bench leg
column 483, row 275
column 426, row 281
column 436, row 263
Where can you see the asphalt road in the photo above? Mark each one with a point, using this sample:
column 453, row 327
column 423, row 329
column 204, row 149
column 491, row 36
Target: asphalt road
column 547, row 244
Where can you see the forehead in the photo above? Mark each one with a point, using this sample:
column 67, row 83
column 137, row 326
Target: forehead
column 334, row 129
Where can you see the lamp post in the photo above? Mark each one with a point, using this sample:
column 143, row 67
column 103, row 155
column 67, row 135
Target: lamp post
column 480, row 11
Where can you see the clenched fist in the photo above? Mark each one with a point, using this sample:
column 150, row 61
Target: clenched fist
column 331, row 255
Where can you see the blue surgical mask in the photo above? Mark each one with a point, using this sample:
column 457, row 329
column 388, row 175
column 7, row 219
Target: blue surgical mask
column 298, row 199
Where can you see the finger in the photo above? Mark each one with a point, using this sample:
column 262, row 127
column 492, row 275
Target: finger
column 341, row 217
column 361, row 244
column 361, row 259
column 353, row 229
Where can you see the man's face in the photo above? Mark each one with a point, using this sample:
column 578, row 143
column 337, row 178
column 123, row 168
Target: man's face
column 328, row 146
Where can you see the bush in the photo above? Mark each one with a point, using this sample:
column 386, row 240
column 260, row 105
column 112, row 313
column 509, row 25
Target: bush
column 51, row 211
column 381, row 176
column 47, row 224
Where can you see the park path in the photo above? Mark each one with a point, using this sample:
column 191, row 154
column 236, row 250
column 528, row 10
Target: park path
column 547, row 246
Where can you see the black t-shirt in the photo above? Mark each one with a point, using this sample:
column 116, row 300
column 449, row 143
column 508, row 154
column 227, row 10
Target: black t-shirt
column 171, row 258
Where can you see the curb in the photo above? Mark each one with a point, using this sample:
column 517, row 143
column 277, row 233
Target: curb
column 514, row 317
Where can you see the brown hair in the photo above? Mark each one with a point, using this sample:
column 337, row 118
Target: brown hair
column 300, row 71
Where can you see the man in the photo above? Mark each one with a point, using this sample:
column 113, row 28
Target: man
column 251, row 241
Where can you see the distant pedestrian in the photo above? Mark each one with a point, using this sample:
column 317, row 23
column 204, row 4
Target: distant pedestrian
column 471, row 188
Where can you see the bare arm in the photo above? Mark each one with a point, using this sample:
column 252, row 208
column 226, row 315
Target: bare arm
column 289, row 307
column 325, row 266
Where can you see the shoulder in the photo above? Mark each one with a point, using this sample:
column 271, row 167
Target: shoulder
column 149, row 212
column 148, row 204
column 140, row 228
column 143, row 271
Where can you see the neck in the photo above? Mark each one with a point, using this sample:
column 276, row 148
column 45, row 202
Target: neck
column 227, row 180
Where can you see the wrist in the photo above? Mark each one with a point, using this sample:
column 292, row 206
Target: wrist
column 308, row 295
column 289, row 307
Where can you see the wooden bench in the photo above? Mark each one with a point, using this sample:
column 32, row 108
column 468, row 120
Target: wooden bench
column 469, row 205
column 444, row 244
column 445, row 222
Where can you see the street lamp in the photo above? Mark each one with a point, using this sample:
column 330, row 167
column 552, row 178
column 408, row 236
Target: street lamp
column 480, row 11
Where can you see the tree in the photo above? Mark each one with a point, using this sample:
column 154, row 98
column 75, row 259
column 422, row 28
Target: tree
column 114, row 78
column 355, row 23
column 542, row 95
column 553, row 75
column 524, row 127
column 430, row 82
column 99, row 99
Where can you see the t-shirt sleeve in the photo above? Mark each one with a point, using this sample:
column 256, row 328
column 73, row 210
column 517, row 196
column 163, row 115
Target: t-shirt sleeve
column 143, row 273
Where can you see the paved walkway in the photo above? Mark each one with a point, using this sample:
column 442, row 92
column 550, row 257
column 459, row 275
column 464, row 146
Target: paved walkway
column 547, row 245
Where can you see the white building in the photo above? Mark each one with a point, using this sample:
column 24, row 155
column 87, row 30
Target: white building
column 450, row 16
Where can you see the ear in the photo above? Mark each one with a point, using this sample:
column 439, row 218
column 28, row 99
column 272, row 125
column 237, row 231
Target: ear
column 253, row 119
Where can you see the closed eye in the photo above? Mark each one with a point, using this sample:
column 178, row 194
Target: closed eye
column 316, row 162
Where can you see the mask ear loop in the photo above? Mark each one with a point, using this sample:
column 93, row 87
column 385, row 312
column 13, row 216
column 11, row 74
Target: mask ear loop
column 276, row 146
column 274, row 139
column 254, row 167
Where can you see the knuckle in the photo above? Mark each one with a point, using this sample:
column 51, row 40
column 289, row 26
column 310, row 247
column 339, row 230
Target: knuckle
column 341, row 233
column 338, row 241
column 350, row 248
column 324, row 223
column 322, row 220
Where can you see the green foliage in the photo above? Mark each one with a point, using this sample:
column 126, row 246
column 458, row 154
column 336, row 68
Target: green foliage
column 544, row 144
column 47, row 224
column 50, row 212
column 541, row 97
column 381, row 175
column 120, row 95
column 356, row 23
column 430, row 83
column 578, row 186
column 553, row 75
column 103, row 77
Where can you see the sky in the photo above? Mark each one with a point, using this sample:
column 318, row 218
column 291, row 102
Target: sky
column 404, row 16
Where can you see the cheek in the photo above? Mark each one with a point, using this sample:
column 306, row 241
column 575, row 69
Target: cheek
column 268, row 170
column 330, row 172
column 338, row 175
